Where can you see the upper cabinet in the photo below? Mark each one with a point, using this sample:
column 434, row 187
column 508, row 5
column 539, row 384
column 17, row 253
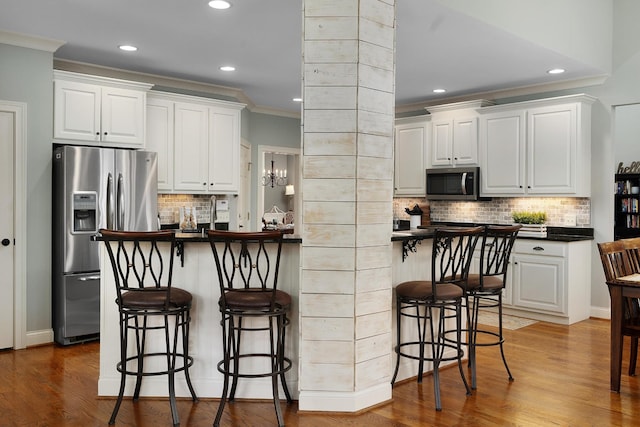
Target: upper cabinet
column 454, row 139
column 198, row 143
column 99, row 111
column 538, row 148
column 411, row 143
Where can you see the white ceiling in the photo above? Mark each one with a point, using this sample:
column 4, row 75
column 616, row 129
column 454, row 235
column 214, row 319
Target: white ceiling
column 436, row 46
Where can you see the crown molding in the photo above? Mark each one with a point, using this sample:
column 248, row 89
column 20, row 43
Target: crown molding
column 30, row 42
column 507, row 93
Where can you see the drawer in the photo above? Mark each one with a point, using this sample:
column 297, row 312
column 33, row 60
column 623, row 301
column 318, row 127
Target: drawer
column 540, row 247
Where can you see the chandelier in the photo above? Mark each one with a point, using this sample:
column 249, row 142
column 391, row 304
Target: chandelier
column 273, row 176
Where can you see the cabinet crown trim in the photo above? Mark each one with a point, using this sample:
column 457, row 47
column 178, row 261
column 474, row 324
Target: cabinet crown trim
column 478, row 103
column 543, row 102
column 99, row 80
column 178, row 97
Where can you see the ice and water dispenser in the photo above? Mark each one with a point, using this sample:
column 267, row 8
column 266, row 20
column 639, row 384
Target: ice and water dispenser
column 85, row 211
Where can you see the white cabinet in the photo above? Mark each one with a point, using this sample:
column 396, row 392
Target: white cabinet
column 549, row 281
column 455, row 142
column 98, row 110
column 411, row 142
column 160, row 138
column 540, row 148
column 191, row 148
column 455, row 133
column 198, row 143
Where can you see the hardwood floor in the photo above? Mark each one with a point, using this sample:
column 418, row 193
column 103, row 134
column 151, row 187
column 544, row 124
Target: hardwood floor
column 561, row 378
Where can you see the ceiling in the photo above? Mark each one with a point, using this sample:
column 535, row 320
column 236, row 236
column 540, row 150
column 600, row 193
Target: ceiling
column 185, row 39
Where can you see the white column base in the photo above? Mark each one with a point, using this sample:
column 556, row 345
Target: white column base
column 332, row 401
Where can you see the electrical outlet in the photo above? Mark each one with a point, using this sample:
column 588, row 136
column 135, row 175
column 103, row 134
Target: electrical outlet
column 570, row 220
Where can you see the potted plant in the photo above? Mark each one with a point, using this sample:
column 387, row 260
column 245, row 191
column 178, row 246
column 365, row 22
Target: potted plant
column 524, row 217
column 533, row 223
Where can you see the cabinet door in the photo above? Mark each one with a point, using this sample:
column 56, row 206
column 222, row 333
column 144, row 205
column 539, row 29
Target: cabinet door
column 552, row 145
column 465, row 141
column 539, row 282
column 160, row 131
column 123, row 118
column 191, row 150
column 224, row 150
column 502, row 153
column 76, row 111
column 410, row 147
column 442, row 146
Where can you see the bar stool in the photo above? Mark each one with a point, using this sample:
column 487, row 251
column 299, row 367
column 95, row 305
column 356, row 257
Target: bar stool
column 148, row 302
column 484, row 290
column 450, row 261
column 248, row 265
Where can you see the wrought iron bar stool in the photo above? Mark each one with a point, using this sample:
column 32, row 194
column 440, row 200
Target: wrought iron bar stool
column 148, row 302
column 484, row 290
column 250, row 302
column 416, row 300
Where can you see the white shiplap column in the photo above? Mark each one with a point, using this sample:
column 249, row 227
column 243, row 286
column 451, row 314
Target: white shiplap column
column 347, row 174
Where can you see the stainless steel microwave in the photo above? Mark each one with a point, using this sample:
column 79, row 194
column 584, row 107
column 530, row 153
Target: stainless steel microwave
column 453, row 183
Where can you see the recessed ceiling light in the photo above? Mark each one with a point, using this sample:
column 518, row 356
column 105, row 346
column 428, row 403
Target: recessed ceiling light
column 297, row 99
column 556, row 71
column 219, row 4
column 128, row 48
column 439, row 90
column 227, row 68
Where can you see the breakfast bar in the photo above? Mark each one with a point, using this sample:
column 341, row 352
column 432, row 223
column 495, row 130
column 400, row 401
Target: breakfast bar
column 194, row 270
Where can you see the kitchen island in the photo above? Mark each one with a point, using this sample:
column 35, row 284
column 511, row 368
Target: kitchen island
column 566, row 301
column 198, row 275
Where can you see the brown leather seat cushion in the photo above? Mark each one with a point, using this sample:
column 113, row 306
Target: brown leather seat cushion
column 490, row 283
column 422, row 289
column 256, row 299
column 150, row 298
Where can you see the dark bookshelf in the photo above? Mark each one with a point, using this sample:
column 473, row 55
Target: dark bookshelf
column 627, row 206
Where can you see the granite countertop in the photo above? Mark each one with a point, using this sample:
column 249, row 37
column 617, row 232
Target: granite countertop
column 558, row 234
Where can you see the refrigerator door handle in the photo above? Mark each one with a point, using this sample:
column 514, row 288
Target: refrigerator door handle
column 110, row 202
column 120, row 198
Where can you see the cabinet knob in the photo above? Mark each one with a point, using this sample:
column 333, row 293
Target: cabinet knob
column 98, row 133
column 6, row 242
column 204, row 183
column 528, row 186
column 106, row 133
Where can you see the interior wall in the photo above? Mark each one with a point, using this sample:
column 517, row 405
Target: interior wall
column 26, row 76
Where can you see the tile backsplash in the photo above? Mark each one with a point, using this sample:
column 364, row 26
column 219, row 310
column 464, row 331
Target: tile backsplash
column 169, row 207
column 561, row 211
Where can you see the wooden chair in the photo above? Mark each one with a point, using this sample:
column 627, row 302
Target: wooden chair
column 148, row 302
column 620, row 258
column 247, row 264
column 430, row 303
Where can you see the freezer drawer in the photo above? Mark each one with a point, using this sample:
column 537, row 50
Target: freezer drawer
column 77, row 314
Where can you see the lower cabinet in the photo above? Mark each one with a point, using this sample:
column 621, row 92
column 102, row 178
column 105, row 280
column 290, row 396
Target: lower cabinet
column 550, row 280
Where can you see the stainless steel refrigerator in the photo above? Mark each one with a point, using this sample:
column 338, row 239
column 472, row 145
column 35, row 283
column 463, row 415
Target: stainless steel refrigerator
column 93, row 188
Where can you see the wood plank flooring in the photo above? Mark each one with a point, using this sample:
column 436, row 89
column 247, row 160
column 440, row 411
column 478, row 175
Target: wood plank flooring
column 561, row 379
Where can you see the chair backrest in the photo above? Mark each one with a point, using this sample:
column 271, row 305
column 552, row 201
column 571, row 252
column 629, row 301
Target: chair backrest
column 137, row 261
column 247, row 261
column 632, row 247
column 497, row 243
column 616, row 262
column 451, row 255
column 615, row 259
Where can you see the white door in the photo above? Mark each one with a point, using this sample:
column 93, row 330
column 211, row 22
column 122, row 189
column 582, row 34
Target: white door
column 7, row 137
column 244, row 195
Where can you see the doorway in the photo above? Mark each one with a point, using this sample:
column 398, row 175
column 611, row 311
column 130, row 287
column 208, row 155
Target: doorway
column 288, row 159
column 12, row 233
